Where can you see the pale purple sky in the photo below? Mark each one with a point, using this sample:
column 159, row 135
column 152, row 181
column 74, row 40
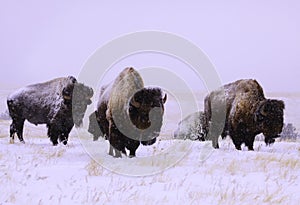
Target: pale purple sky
column 41, row 40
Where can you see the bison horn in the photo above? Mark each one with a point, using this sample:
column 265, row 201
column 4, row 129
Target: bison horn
column 165, row 98
column 135, row 103
column 67, row 97
column 91, row 92
column 262, row 111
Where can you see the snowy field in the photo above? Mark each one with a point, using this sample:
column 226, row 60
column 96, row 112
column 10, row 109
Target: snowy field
column 181, row 172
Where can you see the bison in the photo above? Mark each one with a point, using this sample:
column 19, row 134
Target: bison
column 193, row 127
column 248, row 113
column 59, row 103
column 128, row 113
column 97, row 121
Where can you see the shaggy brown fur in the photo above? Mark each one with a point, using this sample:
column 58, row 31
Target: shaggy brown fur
column 129, row 114
column 248, row 113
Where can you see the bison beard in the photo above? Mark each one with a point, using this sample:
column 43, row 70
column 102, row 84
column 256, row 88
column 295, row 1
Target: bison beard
column 248, row 113
column 58, row 103
column 145, row 112
column 128, row 114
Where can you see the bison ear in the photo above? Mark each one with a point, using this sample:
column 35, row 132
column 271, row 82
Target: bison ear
column 165, row 99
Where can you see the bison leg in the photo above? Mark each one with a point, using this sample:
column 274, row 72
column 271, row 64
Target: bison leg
column 20, row 130
column 52, row 134
column 132, row 146
column 114, row 152
column 249, row 143
column 118, row 154
column 238, row 146
column 215, row 142
column 132, row 153
column 224, row 134
column 116, row 141
column 12, row 133
column 17, row 127
column 237, row 142
column 63, row 138
column 13, row 130
column 111, row 150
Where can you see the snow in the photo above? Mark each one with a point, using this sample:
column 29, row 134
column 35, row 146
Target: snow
column 169, row 172
column 38, row 173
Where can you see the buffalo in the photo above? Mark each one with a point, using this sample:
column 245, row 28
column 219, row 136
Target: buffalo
column 128, row 114
column 248, row 113
column 193, row 127
column 59, row 103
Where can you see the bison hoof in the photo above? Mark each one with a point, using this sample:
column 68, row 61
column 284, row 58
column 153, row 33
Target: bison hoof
column 238, row 147
column 269, row 141
column 131, row 156
column 22, row 141
column 117, row 156
column 11, row 141
column 216, row 146
column 65, row 142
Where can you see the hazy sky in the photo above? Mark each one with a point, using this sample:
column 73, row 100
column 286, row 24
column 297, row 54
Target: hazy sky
column 41, row 40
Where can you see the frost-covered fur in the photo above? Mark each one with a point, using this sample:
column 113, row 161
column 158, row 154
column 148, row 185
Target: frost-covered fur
column 193, row 127
column 248, row 113
column 58, row 103
column 128, row 114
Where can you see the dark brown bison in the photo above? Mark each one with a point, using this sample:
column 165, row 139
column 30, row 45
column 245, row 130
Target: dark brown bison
column 58, row 103
column 128, row 114
column 248, row 113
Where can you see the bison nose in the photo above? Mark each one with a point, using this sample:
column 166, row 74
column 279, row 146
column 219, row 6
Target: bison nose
column 146, row 121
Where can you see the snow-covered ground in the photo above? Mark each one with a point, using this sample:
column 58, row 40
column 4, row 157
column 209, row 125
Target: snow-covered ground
column 38, row 173
column 169, row 172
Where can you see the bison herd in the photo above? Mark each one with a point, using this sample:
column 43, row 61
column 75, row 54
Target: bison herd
column 129, row 114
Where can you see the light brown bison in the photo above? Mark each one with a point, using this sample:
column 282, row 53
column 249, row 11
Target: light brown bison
column 248, row 113
column 59, row 103
column 128, row 113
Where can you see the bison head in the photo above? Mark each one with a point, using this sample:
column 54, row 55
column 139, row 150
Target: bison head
column 79, row 97
column 146, row 109
column 270, row 118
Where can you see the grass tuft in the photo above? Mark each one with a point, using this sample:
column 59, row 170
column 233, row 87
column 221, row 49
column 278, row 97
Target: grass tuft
column 94, row 169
